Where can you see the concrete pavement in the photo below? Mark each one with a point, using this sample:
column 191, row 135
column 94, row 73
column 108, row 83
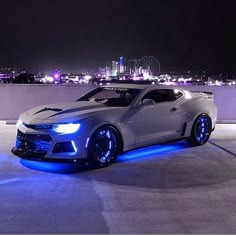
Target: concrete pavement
column 172, row 188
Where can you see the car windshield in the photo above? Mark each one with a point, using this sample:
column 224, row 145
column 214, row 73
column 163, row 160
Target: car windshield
column 111, row 96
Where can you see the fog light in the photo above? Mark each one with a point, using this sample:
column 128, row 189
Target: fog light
column 65, row 147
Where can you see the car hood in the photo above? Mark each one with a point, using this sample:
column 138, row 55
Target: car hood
column 68, row 112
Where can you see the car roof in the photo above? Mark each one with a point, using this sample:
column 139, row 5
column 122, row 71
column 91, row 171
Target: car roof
column 139, row 86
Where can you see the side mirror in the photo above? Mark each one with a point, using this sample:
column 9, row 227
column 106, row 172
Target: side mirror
column 148, row 102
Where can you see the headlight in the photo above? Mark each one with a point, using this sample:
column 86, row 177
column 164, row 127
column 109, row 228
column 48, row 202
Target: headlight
column 66, row 128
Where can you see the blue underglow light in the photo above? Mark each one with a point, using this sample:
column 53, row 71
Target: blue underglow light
column 108, row 134
column 152, row 151
column 66, row 128
column 102, row 132
column 110, row 145
column 74, row 146
column 108, row 153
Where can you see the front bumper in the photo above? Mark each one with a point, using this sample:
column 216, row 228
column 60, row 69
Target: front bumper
column 43, row 146
column 37, row 157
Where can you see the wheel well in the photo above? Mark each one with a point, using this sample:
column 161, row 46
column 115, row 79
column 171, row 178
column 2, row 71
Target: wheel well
column 204, row 113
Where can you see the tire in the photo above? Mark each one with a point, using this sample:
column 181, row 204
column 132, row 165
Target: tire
column 104, row 146
column 201, row 130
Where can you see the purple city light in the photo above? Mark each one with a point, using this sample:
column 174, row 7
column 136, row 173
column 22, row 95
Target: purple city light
column 56, row 74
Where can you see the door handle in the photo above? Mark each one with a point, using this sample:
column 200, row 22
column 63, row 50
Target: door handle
column 173, row 109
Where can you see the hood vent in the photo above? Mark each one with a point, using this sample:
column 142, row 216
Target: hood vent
column 48, row 109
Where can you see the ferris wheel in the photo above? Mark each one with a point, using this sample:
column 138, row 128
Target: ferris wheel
column 150, row 63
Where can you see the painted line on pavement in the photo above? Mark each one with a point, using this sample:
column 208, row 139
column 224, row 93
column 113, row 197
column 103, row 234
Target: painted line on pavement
column 222, row 148
column 7, row 181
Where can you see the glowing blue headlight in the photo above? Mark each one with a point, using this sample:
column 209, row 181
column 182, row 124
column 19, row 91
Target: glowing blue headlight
column 66, row 128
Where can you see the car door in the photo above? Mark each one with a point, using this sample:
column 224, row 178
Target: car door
column 157, row 122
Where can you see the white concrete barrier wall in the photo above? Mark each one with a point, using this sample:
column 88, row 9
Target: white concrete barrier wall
column 15, row 99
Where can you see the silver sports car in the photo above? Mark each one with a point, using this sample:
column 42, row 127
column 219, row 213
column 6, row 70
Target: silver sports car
column 113, row 119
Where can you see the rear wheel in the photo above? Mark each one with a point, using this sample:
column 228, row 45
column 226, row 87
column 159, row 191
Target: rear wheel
column 104, row 146
column 201, row 130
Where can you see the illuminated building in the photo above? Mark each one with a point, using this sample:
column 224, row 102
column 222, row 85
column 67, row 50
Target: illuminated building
column 114, row 68
column 56, row 75
column 121, row 65
column 108, row 71
column 102, row 72
column 8, row 72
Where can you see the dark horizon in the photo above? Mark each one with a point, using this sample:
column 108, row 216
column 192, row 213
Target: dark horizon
column 83, row 35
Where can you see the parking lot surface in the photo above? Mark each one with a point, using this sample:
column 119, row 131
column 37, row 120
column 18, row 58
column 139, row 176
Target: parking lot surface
column 172, row 188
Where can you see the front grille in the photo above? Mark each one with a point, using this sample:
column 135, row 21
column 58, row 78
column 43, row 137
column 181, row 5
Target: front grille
column 37, row 126
column 33, row 143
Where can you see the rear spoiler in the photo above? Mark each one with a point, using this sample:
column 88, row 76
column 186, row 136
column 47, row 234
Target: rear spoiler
column 209, row 93
column 206, row 95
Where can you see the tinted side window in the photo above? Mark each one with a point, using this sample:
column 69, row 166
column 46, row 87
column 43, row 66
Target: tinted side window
column 178, row 94
column 161, row 95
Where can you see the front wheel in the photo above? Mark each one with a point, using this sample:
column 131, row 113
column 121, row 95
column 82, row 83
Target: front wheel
column 104, row 146
column 201, row 130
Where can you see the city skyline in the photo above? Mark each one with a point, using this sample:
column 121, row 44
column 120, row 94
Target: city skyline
column 83, row 35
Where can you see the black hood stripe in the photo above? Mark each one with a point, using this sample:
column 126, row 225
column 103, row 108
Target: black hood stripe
column 78, row 109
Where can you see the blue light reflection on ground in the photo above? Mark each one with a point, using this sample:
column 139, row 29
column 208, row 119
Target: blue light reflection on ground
column 152, row 151
column 3, row 156
column 62, row 168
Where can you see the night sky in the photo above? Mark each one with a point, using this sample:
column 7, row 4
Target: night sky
column 77, row 35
